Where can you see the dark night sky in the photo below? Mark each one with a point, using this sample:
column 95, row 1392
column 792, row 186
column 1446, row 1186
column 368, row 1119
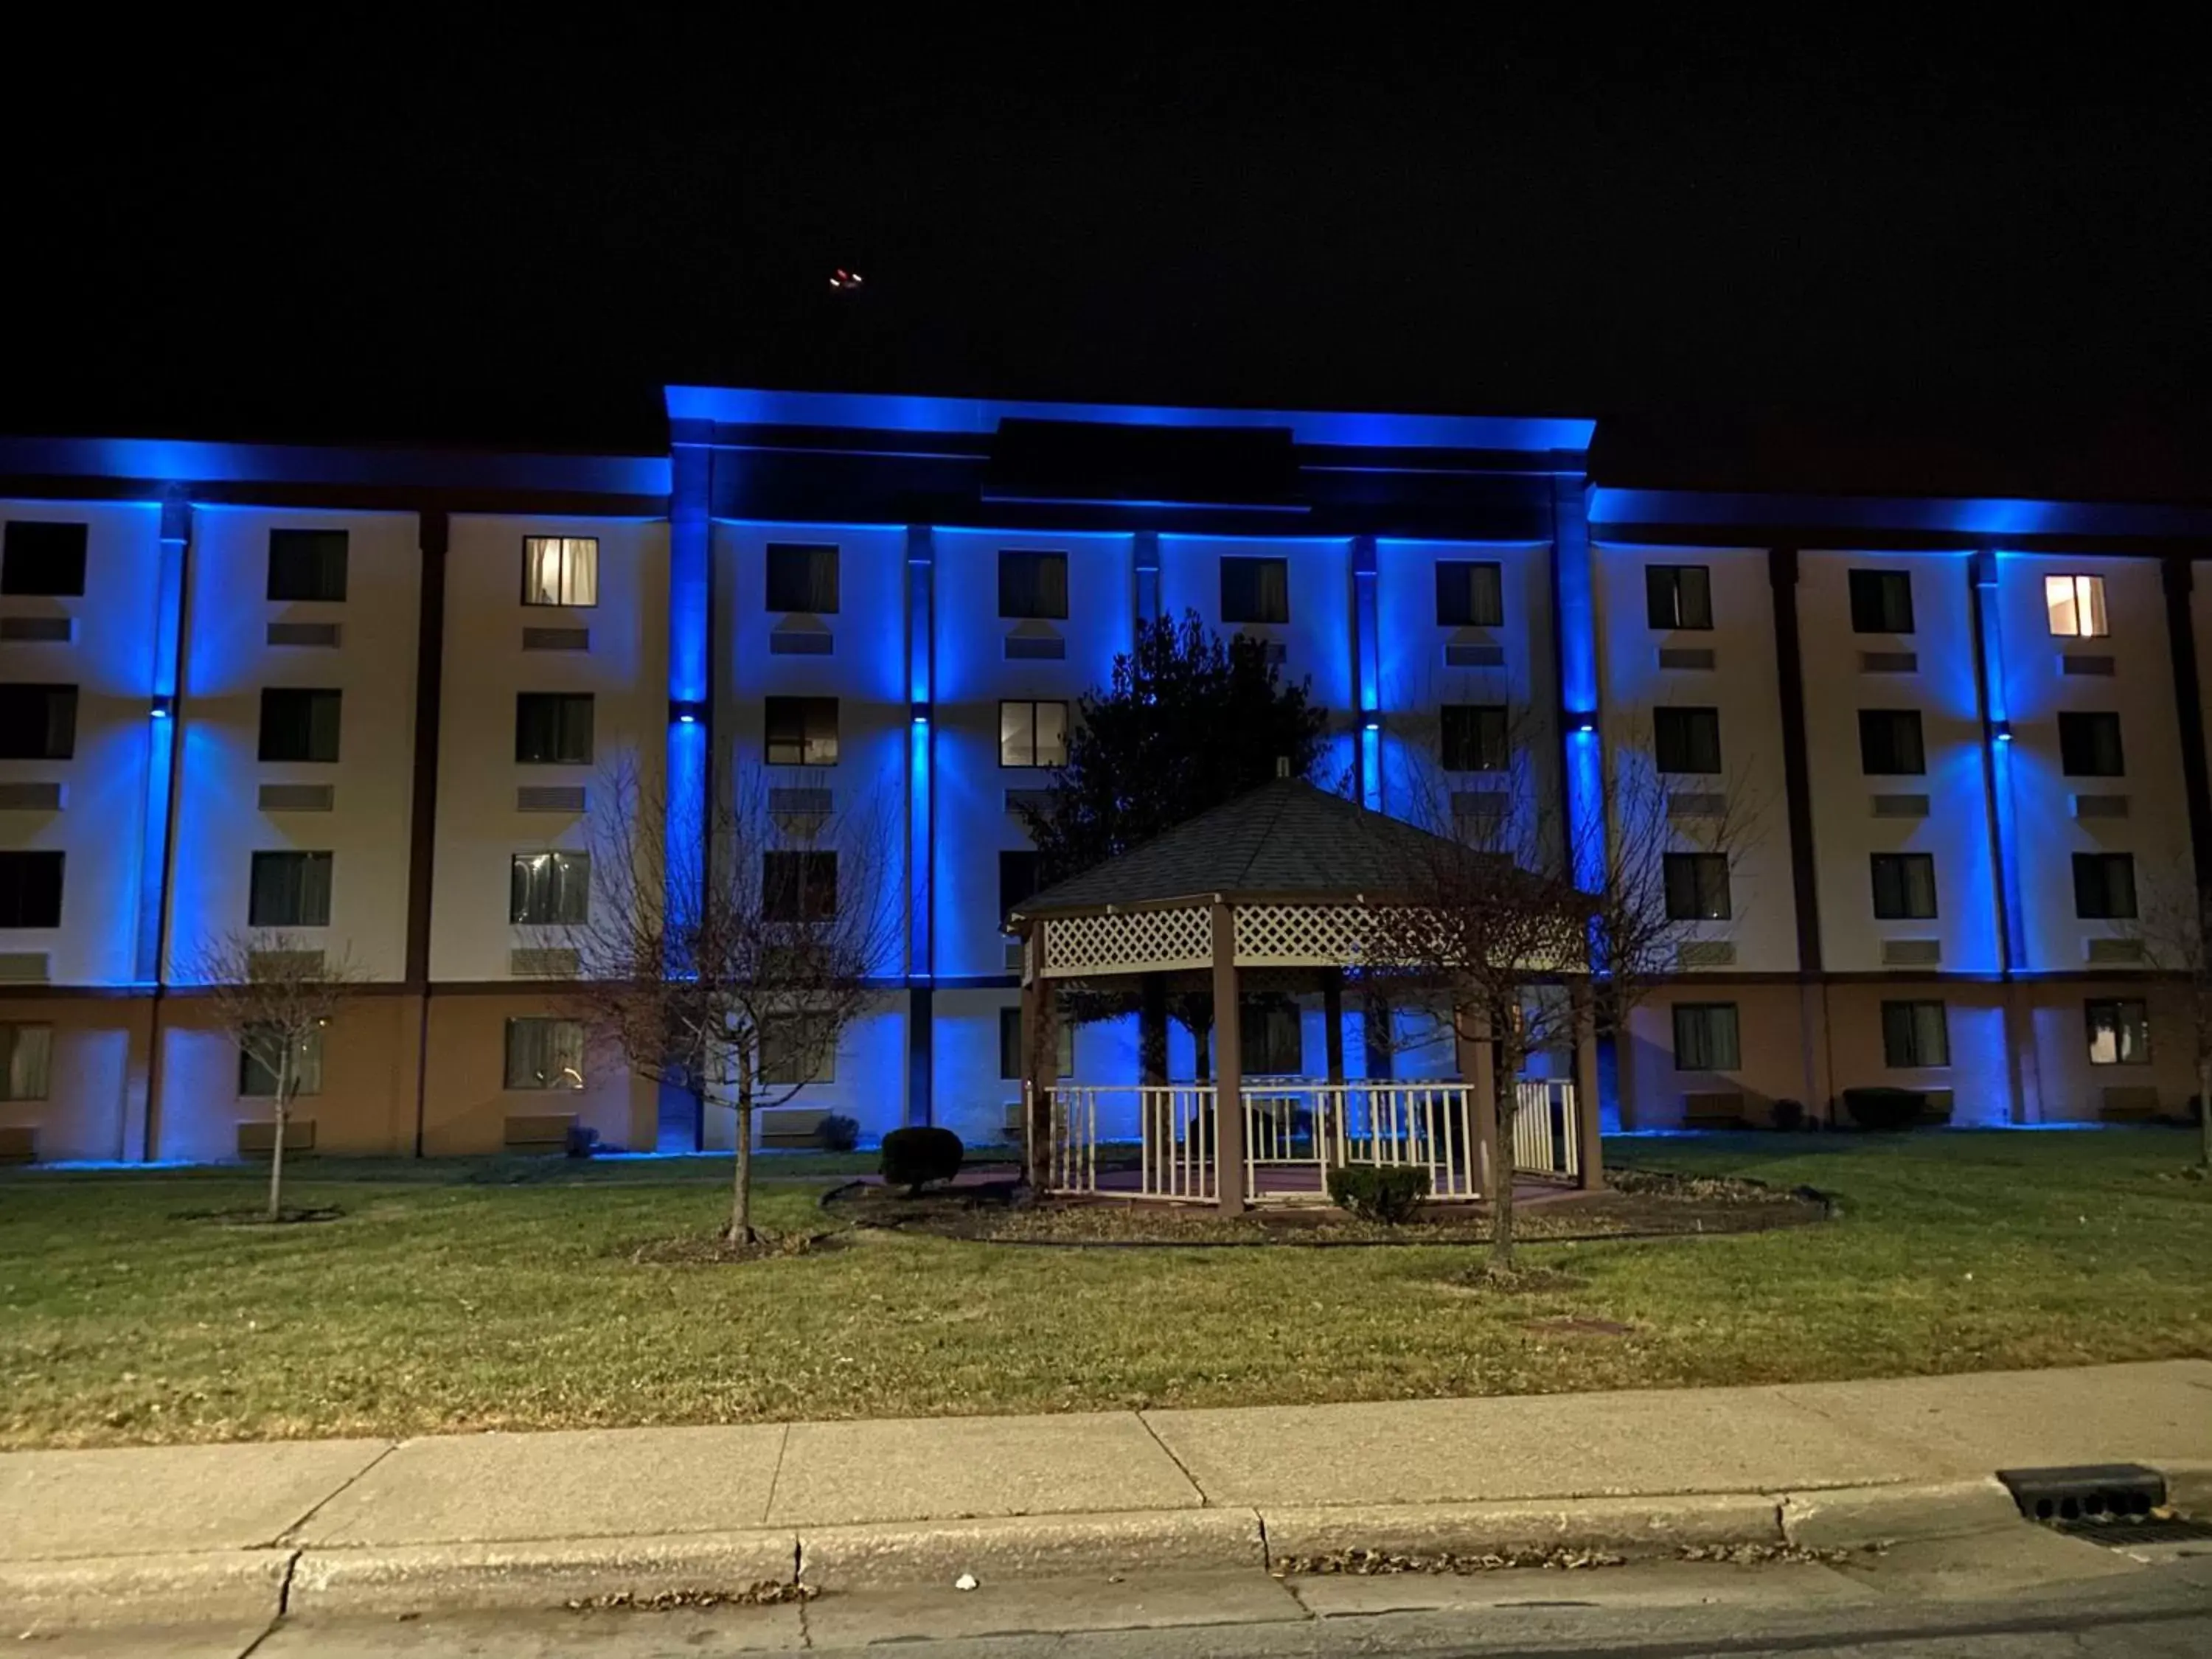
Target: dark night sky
column 1798, row 250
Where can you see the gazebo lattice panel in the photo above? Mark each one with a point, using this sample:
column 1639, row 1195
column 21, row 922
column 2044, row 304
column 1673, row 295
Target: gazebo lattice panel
column 1303, row 935
column 1133, row 941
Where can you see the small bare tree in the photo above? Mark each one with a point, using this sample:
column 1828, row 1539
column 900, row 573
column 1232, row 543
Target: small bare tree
column 739, row 984
column 2172, row 929
column 273, row 994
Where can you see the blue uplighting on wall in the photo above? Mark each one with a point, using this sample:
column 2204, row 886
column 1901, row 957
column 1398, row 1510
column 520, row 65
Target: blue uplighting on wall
column 1611, row 506
column 690, row 677
column 161, row 738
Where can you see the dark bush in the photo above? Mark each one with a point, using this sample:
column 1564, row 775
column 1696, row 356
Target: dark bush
column 838, row 1132
column 1789, row 1115
column 1387, row 1193
column 914, row 1157
column 581, row 1141
column 1885, row 1108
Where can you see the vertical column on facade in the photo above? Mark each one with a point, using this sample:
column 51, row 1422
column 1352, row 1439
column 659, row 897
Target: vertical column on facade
column 1989, row 682
column 1367, row 673
column 1797, row 787
column 690, row 711
column 921, row 819
column 1582, row 773
column 157, row 830
column 2180, row 573
column 432, row 533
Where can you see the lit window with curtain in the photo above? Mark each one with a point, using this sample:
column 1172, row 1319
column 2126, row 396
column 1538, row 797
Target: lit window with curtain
column 549, row 889
column 544, row 1053
column 2075, row 606
column 562, row 570
column 2119, row 1030
column 1256, row 590
column 26, row 1060
column 257, row 1057
column 802, row 730
column 1915, row 1035
column 1032, row 733
column 802, row 576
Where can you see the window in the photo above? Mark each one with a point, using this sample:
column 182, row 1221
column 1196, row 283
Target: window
column 1881, row 602
column 2104, row 887
column 26, row 1060
column 1473, row 737
column 1013, row 1051
column 1256, row 590
column 802, row 730
column 43, row 558
column 1032, row 734
column 2089, row 745
column 1033, row 586
column 2119, row 1031
column 1698, row 887
column 1914, row 1034
column 256, row 1073
column 1705, row 1037
column 553, row 728
column 802, row 577
column 1271, row 1038
column 798, row 1049
column 298, row 725
column 308, row 564
column 31, row 890
column 549, row 889
column 1678, row 596
column 560, row 570
column 2075, row 605
column 1904, row 886
column 544, row 1053
column 1470, row 595
column 798, row 886
column 290, row 890
column 1018, row 878
column 38, row 722
column 1686, row 739
column 1889, row 742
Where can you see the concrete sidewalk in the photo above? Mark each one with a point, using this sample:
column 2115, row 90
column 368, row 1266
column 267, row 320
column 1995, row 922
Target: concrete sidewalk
column 494, row 1520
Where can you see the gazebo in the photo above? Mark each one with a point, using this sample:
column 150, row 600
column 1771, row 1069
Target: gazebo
column 1278, row 889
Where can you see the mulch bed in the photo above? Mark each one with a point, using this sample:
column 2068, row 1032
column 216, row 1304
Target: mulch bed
column 257, row 1215
column 713, row 1251
column 1640, row 1204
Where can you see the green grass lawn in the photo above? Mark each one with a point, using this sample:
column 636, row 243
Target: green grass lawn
column 457, row 1296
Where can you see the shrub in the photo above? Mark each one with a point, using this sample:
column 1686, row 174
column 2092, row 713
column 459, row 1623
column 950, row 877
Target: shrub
column 1788, row 1115
column 838, row 1132
column 581, row 1141
column 914, row 1157
column 1386, row 1193
column 1884, row 1108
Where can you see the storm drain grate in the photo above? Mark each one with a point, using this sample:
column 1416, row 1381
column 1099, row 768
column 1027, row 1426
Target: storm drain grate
column 2128, row 1534
column 2096, row 1493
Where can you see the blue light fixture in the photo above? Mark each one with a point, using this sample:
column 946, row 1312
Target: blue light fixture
column 1584, row 721
column 2002, row 730
column 163, row 706
column 921, row 713
column 686, row 711
column 1374, row 722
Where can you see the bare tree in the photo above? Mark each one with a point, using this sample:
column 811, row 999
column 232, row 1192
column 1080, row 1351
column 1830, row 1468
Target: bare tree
column 273, row 994
column 739, row 984
column 2172, row 929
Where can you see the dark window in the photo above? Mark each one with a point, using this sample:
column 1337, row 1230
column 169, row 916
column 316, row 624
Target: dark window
column 290, row 890
column 43, row 558
column 553, row 728
column 802, row 730
column 2105, row 886
column 298, row 725
column 1686, row 739
column 802, row 577
column 1018, row 878
column 1032, row 733
column 1473, row 737
column 1698, row 887
column 30, row 890
column 38, row 722
column 1882, row 601
column 2119, row 1031
column 308, row 564
column 1904, row 886
column 1033, row 586
column 798, row 886
column 544, row 1053
column 1678, row 596
column 1013, row 1052
column 2089, row 746
column 1271, row 1038
column 796, row 1048
column 549, row 889
column 1470, row 594
column 1256, row 590
column 1889, row 742
column 1915, row 1034
column 257, row 1064
column 1705, row 1038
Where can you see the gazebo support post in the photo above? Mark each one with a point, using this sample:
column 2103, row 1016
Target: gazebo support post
column 1332, row 1016
column 1590, row 1163
column 1043, row 1046
column 1470, row 1045
column 1228, row 1067
column 1153, row 1030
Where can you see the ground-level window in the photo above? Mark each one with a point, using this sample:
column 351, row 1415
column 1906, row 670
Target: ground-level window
column 1705, row 1038
column 2119, row 1031
column 1013, row 1050
column 544, row 1053
column 258, row 1058
column 26, row 1060
column 1272, row 1039
column 1915, row 1034
column 798, row 1049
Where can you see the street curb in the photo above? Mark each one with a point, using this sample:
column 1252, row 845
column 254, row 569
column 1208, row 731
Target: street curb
column 538, row 1573
column 1843, row 1517
column 938, row 1551
column 220, row 1587
column 1626, row 1526
column 2189, row 1486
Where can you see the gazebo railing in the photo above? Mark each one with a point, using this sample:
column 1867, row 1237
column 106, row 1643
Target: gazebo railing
column 1544, row 1144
